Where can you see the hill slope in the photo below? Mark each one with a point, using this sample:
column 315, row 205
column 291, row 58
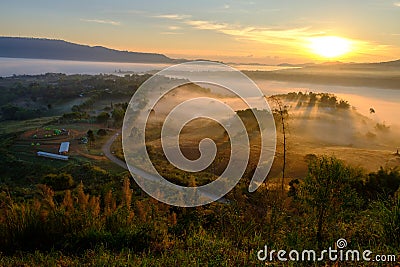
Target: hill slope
column 17, row 47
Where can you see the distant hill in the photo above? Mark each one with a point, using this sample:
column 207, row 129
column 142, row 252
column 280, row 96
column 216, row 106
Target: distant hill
column 378, row 75
column 295, row 65
column 342, row 65
column 17, row 47
column 392, row 64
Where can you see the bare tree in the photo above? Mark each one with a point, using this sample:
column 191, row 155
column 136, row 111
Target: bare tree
column 282, row 111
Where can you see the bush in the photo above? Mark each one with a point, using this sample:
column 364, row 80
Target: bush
column 103, row 117
column 382, row 184
column 328, row 195
column 101, row 132
column 58, row 182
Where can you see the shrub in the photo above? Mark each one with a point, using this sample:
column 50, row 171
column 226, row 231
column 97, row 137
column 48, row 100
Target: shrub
column 61, row 181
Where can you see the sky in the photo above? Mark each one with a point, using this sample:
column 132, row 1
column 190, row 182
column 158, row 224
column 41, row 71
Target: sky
column 253, row 31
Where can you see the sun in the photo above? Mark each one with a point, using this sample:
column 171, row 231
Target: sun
column 330, row 46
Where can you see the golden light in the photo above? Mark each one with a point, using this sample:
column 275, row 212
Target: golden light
column 330, row 46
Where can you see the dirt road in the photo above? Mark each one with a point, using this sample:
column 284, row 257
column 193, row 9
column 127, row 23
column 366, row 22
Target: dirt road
column 106, row 150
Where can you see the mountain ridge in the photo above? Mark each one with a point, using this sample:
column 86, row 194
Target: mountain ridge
column 42, row 48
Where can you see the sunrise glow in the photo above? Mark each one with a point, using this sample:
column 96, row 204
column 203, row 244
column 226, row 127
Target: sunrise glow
column 330, row 46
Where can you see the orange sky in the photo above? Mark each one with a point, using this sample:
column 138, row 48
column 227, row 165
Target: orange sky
column 269, row 32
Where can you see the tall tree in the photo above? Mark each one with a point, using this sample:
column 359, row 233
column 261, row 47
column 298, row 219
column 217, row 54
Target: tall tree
column 281, row 111
column 90, row 136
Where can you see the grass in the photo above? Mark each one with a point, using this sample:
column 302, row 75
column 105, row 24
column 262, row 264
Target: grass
column 7, row 127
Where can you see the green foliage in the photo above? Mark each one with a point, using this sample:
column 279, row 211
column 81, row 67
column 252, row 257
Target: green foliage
column 118, row 115
column 390, row 220
column 328, row 195
column 74, row 116
column 61, row 181
column 11, row 112
column 381, row 184
column 102, row 117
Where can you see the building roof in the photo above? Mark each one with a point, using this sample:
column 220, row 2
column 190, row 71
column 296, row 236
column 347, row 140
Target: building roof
column 51, row 155
column 64, row 147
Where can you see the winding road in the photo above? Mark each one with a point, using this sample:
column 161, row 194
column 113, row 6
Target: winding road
column 106, row 150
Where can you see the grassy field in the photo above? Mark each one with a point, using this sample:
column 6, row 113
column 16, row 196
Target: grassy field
column 7, row 127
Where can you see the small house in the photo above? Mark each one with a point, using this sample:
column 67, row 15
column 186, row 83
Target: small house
column 64, row 148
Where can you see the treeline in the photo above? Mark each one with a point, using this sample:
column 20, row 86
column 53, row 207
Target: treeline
column 116, row 113
column 13, row 112
column 310, row 99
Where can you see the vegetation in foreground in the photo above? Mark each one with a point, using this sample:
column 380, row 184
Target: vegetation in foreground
column 123, row 227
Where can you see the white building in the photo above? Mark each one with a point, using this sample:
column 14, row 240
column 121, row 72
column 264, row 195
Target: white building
column 51, row 155
column 64, row 148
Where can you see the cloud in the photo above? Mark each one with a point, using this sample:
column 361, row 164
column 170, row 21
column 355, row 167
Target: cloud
column 173, row 28
column 172, row 16
column 171, row 33
column 226, row 6
column 258, row 34
column 101, row 21
column 288, row 37
column 206, row 25
column 271, row 35
column 397, row 4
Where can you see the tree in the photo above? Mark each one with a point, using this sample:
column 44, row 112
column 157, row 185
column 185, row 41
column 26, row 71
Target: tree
column 103, row 117
column 343, row 104
column 118, row 115
column 328, row 194
column 9, row 111
column 90, row 136
column 313, row 99
column 382, row 184
column 282, row 112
